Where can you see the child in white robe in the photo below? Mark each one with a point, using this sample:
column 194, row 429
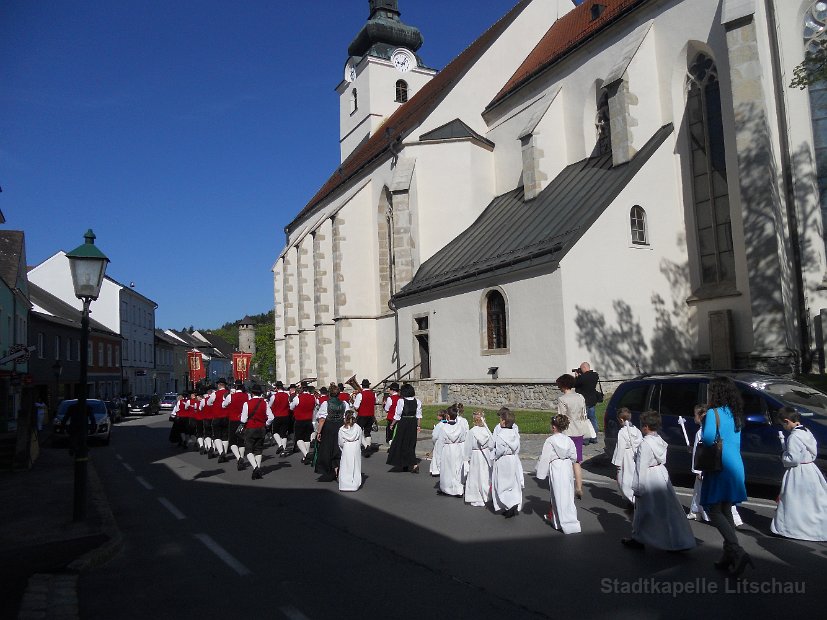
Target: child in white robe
column 628, row 440
column 659, row 519
column 696, row 511
column 452, row 456
column 557, row 464
column 802, row 505
column 442, row 418
column 507, row 473
column 479, row 444
column 350, row 443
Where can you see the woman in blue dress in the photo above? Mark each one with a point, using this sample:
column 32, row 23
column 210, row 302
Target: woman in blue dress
column 721, row 489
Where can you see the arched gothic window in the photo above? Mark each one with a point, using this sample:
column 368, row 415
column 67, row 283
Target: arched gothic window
column 709, row 178
column 401, row 91
column 603, row 125
column 637, row 219
column 496, row 320
column 815, row 34
column 354, row 101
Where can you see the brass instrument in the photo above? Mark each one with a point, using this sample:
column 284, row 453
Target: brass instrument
column 354, row 384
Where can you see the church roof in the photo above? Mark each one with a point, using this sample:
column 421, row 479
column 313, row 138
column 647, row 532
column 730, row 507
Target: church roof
column 451, row 130
column 514, row 233
column 565, row 35
column 409, row 115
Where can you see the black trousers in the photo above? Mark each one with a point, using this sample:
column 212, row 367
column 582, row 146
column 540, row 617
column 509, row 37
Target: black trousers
column 220, row 428
column 366, row 423
column 254, row 440
column 303, row 430
column 235, row 438
column 720, row 516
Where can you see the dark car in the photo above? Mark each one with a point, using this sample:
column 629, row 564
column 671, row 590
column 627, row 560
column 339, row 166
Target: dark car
column 114, row 411
column 142, row 406
column 100, row 423
column 675, row 395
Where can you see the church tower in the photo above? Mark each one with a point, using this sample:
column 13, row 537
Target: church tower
column 382, row 72
column 247, row 335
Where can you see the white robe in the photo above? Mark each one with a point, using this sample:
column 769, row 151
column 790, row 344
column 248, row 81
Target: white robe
column 659, row 518
column 628, row 440
column 478, row 454
column 435, row 454
column 350, row 467
column 451, row 458
column 557, row 464
column 507, row 473
column 802, row 506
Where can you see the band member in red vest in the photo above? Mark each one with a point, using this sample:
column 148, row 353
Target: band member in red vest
column 323, row 395
column 303, row 407
column 201, row 425
column 220, row 422
column 364, row 403
column 279, row 404
column 390, row 410
column 179, row 433
column 233, row 404
column 255, row 416
column 343, row 396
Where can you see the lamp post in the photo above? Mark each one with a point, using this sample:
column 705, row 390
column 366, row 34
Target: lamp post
column 88, row 266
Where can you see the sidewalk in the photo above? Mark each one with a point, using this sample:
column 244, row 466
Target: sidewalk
column 41, row 549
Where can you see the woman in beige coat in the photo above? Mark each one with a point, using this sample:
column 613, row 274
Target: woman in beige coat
column 573, row 406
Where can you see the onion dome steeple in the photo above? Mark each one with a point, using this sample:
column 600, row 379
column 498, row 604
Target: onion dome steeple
column 384, row 32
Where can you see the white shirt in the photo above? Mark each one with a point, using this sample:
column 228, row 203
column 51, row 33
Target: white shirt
column 254, row 400
column 321, row 414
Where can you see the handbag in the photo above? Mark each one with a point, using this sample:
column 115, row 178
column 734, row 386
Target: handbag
column 709, row 457
column 590, row 434
column 599, row 396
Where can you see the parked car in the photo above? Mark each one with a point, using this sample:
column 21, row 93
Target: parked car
column 142, row 406
column 100, row 422
column 168, row 400
column 675, row 395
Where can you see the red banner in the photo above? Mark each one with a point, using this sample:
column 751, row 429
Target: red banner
column 241, row 366
column 196, row 366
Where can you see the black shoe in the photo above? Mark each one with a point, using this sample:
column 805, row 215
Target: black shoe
column 632, row 543
column 367, row 452
column 240, row 466
column 740, row 565
column 203, row 450
column 211, row 455
column 510, row 512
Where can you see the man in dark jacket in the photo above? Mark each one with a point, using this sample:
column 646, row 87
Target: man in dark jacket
column 585, row 383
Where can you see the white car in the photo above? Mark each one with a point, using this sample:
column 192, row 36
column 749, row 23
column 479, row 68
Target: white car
column 100, row 424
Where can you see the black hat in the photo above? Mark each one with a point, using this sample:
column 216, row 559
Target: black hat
column 256, row 390
column 279, row 385
column 292, row 386
column 365, row 383
column 239, row 384
column 394, row 386
column 221, row 380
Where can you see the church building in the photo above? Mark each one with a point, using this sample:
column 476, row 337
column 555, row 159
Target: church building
column 628, row 182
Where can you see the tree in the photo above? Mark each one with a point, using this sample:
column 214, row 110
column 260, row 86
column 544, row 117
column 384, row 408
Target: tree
column 265, row 357
column 813, row 68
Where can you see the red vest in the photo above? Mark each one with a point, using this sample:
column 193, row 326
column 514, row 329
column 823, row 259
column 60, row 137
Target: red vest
column 344, row 397
column 366, row 407
column 200, row 413
column 394, row 400
column 237, row 401
column 256, row 414
column 304, row 410
column 323, row 399
column 281, row 405
column 217, row 410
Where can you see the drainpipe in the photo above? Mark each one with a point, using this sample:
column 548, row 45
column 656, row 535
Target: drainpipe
column 789, row 192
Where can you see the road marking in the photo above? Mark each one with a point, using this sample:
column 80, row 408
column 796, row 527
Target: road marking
column 127, row 467
column 223, row 554
column 144, row 483
column 293, row 613
column 168, row 505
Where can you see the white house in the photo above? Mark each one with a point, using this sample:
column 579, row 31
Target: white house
column 630, row 182
column 119, row 308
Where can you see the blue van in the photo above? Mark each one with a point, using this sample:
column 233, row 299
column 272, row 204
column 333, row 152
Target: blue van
column 675, row 395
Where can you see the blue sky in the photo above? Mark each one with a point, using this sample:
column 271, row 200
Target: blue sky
column 187, row 134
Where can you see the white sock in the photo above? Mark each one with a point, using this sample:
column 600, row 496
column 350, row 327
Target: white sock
column 313, row 436
column 252, row 460
column 284, row 443
column 235, row 452
column 258, row 460
column 736, row 518
column 200, row 442
column 222, row 446
column 367, row 441
column 277, row 438
column 242, row 451
column 208, row 442
column 303, row 447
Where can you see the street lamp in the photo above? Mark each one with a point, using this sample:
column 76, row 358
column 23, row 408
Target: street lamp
column 88, row 266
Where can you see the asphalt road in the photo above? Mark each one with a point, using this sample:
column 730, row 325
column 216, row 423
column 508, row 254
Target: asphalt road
column 203, row 538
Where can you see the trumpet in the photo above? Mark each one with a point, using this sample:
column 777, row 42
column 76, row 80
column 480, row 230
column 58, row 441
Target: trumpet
column 354, row 384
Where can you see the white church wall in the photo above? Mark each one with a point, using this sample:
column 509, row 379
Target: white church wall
column 355, row 257
column 453, row 184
